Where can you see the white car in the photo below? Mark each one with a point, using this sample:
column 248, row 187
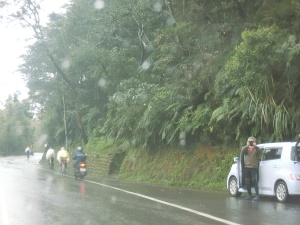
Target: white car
column 279, row 171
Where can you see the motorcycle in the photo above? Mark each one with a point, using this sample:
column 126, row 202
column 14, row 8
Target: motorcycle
column 80, row 170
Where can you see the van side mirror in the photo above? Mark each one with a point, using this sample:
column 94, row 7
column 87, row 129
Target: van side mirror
column 235, row 159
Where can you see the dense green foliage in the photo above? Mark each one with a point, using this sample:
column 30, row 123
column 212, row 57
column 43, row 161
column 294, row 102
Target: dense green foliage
column 16, row 127
column 152, row 73
column 197, row 168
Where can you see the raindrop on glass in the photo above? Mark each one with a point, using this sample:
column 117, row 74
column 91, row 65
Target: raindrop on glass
column 99, row 4
column 101, row 82
column 171, row 21
column 113, row 199
column 66, row 64
column 145, row 65
column 157, row 7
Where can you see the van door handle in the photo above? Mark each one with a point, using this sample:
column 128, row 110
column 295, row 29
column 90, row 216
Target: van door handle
column 275, row 166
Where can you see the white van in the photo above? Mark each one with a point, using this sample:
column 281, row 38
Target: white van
column 279, row 171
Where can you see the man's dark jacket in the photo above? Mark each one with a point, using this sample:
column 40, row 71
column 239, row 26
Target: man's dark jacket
column 79, row 156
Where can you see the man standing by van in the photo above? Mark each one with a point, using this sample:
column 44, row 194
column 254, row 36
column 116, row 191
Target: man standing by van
column 251, row 153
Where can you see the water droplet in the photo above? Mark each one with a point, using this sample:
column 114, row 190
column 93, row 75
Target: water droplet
column 113, row 199
column 101, row 82
column 169, row 69
column 66, row 64
column 127, row 42
column 157, row 7
column 146, row 65
column 99, row 4
column 171, row 21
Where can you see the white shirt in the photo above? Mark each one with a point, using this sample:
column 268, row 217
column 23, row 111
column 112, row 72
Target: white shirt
column 50, row 153
column 27, row 149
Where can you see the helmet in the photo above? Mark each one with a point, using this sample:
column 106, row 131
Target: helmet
column 79, row 149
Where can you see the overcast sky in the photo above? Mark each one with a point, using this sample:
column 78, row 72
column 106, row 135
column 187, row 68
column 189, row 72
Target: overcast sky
column 12, row 45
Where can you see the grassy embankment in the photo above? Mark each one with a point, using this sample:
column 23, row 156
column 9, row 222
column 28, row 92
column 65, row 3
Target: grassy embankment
column 204, row 167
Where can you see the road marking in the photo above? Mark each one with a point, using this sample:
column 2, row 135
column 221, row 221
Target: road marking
column 160, row 201
column 168, row 203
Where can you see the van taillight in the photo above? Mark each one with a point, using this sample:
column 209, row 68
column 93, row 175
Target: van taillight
column 295, row 177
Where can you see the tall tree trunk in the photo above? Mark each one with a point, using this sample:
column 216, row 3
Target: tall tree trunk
column 65, row 122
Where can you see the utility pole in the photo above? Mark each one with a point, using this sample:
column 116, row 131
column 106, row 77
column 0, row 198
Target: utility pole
column 65, row 121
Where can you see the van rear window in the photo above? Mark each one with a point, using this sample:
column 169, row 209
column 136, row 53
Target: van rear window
column 271, row 154
column 295, row 154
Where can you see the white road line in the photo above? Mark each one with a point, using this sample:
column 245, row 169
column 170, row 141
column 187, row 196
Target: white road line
column 162, row 202
column 168, row 203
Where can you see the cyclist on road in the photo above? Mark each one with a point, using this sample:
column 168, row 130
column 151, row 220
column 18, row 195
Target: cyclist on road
column 63, row 154
column 50, row 156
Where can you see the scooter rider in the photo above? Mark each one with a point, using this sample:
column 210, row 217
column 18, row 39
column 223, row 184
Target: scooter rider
column 79, row 156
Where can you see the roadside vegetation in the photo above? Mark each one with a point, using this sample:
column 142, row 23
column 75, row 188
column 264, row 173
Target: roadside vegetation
column 194, row 167
column 163, row 80
column 17, row 127
column 203, row 168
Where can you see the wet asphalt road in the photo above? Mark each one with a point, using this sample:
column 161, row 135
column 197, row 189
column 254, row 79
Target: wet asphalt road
column 30, row 194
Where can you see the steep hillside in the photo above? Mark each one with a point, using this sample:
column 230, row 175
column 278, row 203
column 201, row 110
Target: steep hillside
column 199, row 168
column 202, row 167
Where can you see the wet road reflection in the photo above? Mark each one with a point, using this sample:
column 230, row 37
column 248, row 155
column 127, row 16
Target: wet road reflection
column 32, row 195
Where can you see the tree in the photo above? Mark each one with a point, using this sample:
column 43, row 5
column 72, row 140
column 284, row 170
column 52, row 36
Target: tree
column 150, row 73
column 29, row 16
column 261, row 95
column 16, row 127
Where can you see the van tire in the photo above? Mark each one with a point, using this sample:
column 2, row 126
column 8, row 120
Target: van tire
column 281, row 192
column 233, row 187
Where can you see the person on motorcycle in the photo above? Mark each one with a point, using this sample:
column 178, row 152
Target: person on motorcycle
column 63, row 154
column 50, row 156
column 79, row 157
